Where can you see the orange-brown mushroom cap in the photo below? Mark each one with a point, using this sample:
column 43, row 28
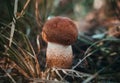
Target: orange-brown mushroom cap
column 60, row 30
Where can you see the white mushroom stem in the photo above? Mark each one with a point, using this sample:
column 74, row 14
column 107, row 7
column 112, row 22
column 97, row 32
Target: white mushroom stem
column 59, row 55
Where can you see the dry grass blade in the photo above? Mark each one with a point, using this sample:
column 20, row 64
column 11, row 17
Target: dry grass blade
column 38, row 17
column 19, row 60
column 13, row 23
column 12, row 33
column 36, row 60
column 38, row 43
column 89, row 52
column 28, row 62
column 25, row 59
column 72, row 73
column 57, row 72
column 9, row 75
column 93, row 76
column 46, row 81
column 22, row 71
column 22, row 12
column 29, row 45
column 80, row 61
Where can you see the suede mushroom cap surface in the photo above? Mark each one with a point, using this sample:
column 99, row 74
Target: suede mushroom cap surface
column 61, row 30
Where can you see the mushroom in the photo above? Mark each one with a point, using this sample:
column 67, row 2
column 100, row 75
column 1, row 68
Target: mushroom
column 59, row 33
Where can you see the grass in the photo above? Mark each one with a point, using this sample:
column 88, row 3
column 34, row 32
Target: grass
column 21, row 44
